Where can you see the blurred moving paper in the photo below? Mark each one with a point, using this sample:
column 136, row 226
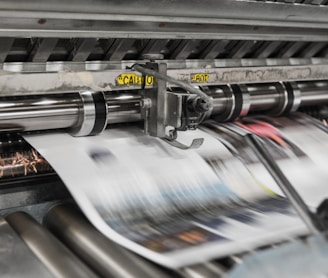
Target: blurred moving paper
column 175, row 207
column 300, row 148
column 301, row 259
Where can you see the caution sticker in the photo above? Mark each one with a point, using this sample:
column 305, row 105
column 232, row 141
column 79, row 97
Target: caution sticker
column 130, row 79
column 200, row 77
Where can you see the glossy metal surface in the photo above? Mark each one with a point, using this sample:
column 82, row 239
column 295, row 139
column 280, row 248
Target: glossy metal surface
column 123, row 107
column 262, row 96
column 223, row 102
column 55, row 256
column 205, row 270
column 87, row 115
column 39, row 112
column 104, row 256
column 220, row 99
column 313, row 93
column 29, row 113
column 64, row 111
column 16, row 259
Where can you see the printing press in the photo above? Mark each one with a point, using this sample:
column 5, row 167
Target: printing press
column 167, row 67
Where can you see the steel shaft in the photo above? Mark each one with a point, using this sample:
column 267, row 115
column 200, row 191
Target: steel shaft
column 103, row 255
column 65, row 111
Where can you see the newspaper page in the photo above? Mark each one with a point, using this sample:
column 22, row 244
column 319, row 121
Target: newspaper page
column 300, row 149
column 174, row 207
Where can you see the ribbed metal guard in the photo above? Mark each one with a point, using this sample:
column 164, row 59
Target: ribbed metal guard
column 91, row 49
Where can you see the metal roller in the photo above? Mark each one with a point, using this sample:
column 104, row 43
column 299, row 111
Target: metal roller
column 105, row 257
column 313, row 93
column 123, row 107
column 88, row 113
column 263, row 97
column 92, row 115
column 51, row 252
column 224, row 102
column 205, row 270
column 70, row 110
column 39, row 112
column 16, row 259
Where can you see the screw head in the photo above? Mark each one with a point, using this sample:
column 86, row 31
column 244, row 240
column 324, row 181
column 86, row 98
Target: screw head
column 145, row 103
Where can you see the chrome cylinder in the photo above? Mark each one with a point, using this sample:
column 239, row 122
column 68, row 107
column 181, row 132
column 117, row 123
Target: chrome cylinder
column 69, row 110
column 51, row 252
column 263, row 97
column 223, row 101
column 16, row 259
column 205, row 270
column 39, row 112
column 87, row 115
column 123, row 107
column 313, row 93
column 104, row 256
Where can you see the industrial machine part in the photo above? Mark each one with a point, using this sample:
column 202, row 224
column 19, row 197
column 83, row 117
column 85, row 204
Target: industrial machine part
column 55, row 256
column 88, row 112
column 16, row 257
column 104, row 256
column 83, row 65
column 313, row 221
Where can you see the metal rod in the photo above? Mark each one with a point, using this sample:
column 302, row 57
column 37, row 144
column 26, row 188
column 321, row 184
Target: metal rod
column 16, row 258
column 310, row 219
column 262, row 97
column 51, row 252
column 40, row 112
column 123, row 107
column 205, row 270
column 60, row 111
column 313, row 93
column 105, row 257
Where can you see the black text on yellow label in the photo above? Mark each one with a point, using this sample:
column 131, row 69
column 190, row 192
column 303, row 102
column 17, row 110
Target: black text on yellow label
column 200, row 77
column 130, row 79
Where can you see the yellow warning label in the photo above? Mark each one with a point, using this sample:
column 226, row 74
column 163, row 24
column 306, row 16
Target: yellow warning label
column 200, row 77
column 130, row 79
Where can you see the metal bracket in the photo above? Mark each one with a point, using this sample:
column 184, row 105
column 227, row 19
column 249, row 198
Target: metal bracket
column 166, row 112
column 154, row 105
column 195, row 144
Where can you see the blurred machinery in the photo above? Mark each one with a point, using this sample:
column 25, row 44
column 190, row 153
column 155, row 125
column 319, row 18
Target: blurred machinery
column 84, row 65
